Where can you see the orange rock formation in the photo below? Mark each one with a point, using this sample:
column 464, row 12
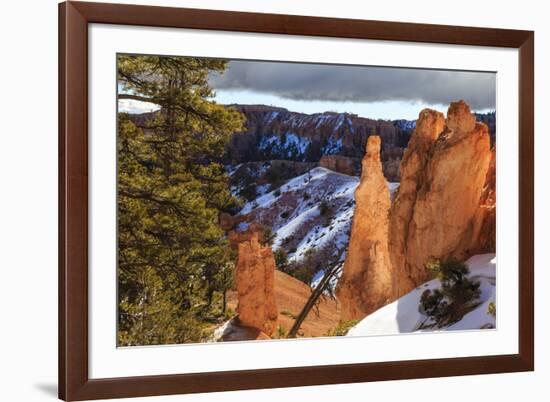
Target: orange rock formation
column 429, row 125
column 443, row 177
column 255, row 277
column 366, row 283
column 484, row 237
column 444, row 208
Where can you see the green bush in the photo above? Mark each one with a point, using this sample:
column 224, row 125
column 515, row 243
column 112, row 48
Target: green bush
column 342, row 328
column 280, row 332
column 281, row 258
column 312, row 262
column 492, row 309
column 288, row 314
column 268, row 236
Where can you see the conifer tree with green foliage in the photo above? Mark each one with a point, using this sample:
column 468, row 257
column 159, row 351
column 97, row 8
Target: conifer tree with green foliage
column 457, row 295
column 174, row 263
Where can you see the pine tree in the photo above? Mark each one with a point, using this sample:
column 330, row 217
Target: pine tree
column 173, row 262
column 457, row 295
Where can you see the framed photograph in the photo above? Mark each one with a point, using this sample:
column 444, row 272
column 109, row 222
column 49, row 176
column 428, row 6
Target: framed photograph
column 261, row 200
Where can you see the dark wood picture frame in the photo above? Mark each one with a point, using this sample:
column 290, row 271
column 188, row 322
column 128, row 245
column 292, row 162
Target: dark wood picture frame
column 74, row 382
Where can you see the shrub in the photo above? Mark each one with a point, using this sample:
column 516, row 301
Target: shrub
column 342, row 328
column 313, row 261
column 288, row 314
column 268, row 236
column 280, row 332
column 281, row 258
column 492, row 309
column 324, row 208
column 273, row 174
column 456, row 296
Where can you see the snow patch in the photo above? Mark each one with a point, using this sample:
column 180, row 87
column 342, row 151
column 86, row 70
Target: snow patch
column 403, row 315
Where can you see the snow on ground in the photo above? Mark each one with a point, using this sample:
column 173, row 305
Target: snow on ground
column 403, row 314
column 219, row 332
column 290, row 145
column 293, row 210
column 393, row 188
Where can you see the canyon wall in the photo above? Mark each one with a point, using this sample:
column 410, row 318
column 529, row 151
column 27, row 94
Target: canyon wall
column 366, row 283
column 277, row 133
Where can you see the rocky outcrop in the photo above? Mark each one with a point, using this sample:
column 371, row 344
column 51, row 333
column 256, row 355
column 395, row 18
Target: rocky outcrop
column 443, row 175
column 237, row 332
column 255, row 276
column 366, row 282
column 484, row 238
column 340, row 164
column 429, row 125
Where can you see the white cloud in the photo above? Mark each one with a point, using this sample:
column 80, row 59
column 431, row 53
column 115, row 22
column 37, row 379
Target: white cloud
column 135, row 106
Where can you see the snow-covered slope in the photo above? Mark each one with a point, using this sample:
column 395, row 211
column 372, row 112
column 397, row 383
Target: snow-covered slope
column 310, row 211
column 403, row 314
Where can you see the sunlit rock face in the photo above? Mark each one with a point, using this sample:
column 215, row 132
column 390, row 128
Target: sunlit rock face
column 429, row 125
column 436, row 212
column 255, row 280
column 444, row 208
column 484, row 238
column 366, row 283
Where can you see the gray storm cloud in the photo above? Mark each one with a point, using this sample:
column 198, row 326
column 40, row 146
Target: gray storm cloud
column 359, row 83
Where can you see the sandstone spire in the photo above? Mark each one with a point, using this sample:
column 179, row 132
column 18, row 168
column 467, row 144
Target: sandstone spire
column 429, row 125
column 366, row 283
column 255, row 281
column 443, row 176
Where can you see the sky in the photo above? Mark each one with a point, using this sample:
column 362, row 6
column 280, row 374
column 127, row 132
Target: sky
column 368, row 91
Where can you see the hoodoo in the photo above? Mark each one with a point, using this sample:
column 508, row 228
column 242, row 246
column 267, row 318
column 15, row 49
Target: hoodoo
column 255, row 281
column 443, row 177
column 429, row 125
column 366, row 282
